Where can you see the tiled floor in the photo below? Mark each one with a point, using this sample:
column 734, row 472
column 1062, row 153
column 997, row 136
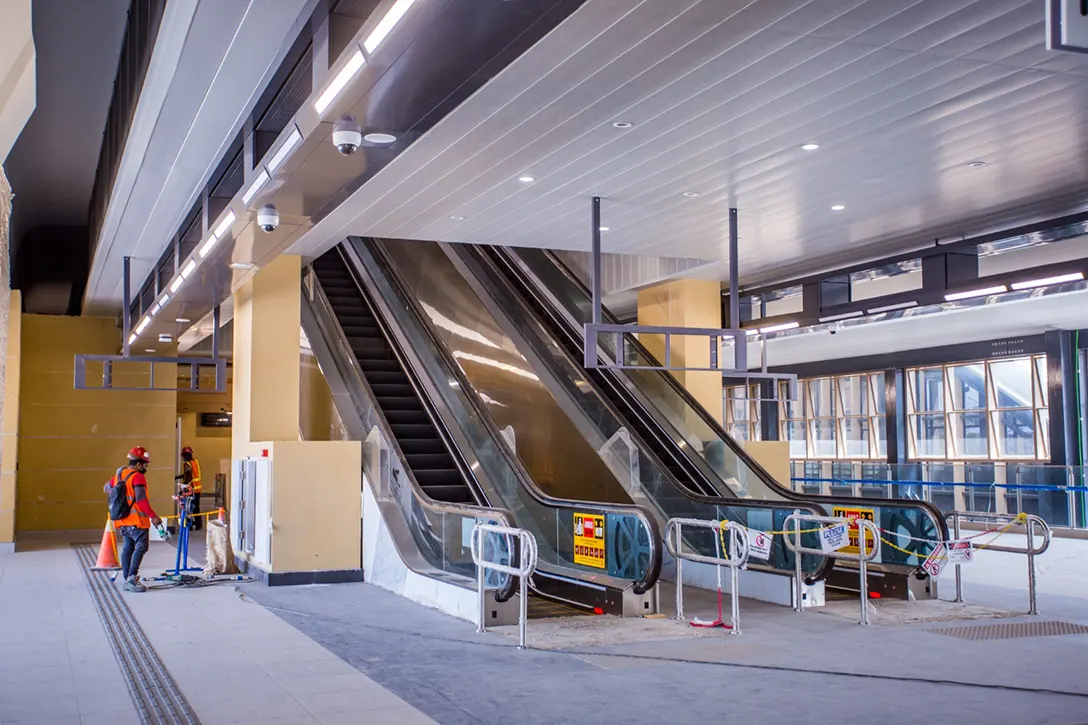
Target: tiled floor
column 234, row 661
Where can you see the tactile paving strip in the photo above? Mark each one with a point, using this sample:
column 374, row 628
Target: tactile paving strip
column 154, row 692
column 1011, row 630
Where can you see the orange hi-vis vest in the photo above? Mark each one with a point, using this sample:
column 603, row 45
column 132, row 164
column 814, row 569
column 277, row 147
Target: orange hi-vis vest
column 194, row 466
column 135, row 518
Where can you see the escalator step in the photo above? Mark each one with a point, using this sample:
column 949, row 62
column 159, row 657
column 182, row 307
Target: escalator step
column 438, row 477
column 458, row 493
column 406, row 417
column 408, row 402
column 379, row 377
column 367, row 357
column 418, row 446
column 396, row 390
column 422, row 462
column 407, row 432
column 381, row 366
column 368, row 343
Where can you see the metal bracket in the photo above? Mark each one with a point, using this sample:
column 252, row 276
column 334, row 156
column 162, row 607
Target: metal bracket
column 109, row 363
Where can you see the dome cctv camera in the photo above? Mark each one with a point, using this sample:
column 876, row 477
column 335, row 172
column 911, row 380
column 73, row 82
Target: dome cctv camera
column 268, row 218
column 347, row 135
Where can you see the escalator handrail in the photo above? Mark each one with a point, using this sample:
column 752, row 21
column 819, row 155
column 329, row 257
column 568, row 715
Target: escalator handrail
column 317, row 296
column 716, row 427
column 827, row 562
column 525, row 479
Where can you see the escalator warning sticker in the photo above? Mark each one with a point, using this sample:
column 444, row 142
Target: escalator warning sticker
column 589, row 540
column 853, row 514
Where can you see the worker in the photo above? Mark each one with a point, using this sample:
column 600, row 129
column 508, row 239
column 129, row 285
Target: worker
column 134, row 525
column 190, row 474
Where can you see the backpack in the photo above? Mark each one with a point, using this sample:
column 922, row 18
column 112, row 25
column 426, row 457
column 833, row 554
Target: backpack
column 120, row 506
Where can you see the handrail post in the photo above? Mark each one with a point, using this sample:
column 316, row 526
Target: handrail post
column 798, row 587
column 1031, row 568
column 734, row 579
column 525, row 568
column 679, row 577
column 959, row 572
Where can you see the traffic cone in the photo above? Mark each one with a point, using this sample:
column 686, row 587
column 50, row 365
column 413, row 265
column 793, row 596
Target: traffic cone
column 107, row 552
column 222, row 515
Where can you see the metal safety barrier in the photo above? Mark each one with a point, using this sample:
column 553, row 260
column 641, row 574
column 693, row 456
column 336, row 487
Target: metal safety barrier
column 527, row 558
column 738, row 544
column 863, row 557
column 1030, row 521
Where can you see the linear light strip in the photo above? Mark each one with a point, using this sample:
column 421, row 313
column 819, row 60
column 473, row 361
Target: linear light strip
column 779, row 328
column 188, row 269
column 983, row 292
column 385, row 26
column 255, row 188
column 284, row 151
column 893, row 308
column 206, row 249
column 176, row 284
column 1045, row 281
column 843, row 316
column 337, row 86
column 225, row 225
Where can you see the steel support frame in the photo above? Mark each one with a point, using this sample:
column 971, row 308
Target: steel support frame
column 715, row 337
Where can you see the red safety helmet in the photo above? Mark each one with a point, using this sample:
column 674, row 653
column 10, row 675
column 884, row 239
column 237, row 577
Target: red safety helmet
column 139, row 453
column 186, row 451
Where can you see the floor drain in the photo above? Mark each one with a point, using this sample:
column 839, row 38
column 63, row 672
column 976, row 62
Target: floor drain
column 1011, row 630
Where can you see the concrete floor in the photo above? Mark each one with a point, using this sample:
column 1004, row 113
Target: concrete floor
column 355, row 653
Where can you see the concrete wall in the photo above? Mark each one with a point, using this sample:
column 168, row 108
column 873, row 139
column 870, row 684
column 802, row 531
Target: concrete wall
column 71, row 442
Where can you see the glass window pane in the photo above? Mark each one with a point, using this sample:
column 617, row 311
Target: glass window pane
column 968, row 387
column 854, row 394
column 1040, row 381
column 928, row 389
column 1012, row 383
column 855, row 433
column 823, row 438
column 1044, row 434
column 738, row 404
column 876, row 387
column 881, row 437
column 794, row 432
column 793, row 409
column 740, row 432
column 821, row 403
column 970, row 435
column 1015, row 431
column 929, row 436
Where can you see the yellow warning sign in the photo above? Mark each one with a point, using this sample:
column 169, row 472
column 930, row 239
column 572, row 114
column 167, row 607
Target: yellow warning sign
column 589, row 540
column 853, row 514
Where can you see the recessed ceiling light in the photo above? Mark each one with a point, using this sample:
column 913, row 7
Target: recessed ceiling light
column 526, row 179
column 149, row 349
column 838, row 207
column 165, row 338
column 381, row 139
column 623, row 124
column 241, row 265
column 976, row 164
column 691, row 194
column 810, row 147
column 182, row 320
column 457, row 218
column 604, row 229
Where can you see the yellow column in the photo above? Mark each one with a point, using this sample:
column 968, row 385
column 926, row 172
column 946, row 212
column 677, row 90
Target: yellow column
column 686, row 303
column 267, row 321
column 9, row 440
column 314, row 495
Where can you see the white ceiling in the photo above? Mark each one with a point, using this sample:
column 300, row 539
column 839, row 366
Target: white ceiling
column 901, row 96
column 211, row 60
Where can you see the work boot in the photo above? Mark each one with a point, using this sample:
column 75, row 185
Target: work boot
column 132, row 584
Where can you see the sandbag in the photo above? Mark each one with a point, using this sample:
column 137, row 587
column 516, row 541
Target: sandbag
column 220, row 556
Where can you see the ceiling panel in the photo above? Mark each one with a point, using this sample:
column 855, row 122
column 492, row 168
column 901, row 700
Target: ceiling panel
column 900, row 96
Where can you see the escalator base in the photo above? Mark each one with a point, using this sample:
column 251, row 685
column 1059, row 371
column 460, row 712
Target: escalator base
column 882, row 584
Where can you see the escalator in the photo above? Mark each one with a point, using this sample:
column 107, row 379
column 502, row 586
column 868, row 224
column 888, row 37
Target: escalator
column 661, row 415
column 424, row 451
column 445, row 456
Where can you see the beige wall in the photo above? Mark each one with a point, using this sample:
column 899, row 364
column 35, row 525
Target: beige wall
column 9, row 438
column 71, row 442
column 316, row 507
column 772, row 455
column 686, row 303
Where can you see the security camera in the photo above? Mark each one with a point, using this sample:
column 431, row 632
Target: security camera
column 268, row 218
column 833, row 331
column 347, row 135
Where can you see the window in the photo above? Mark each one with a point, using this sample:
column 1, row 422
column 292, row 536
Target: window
column 839, row 417
column 984, row 410
column 742, row 412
